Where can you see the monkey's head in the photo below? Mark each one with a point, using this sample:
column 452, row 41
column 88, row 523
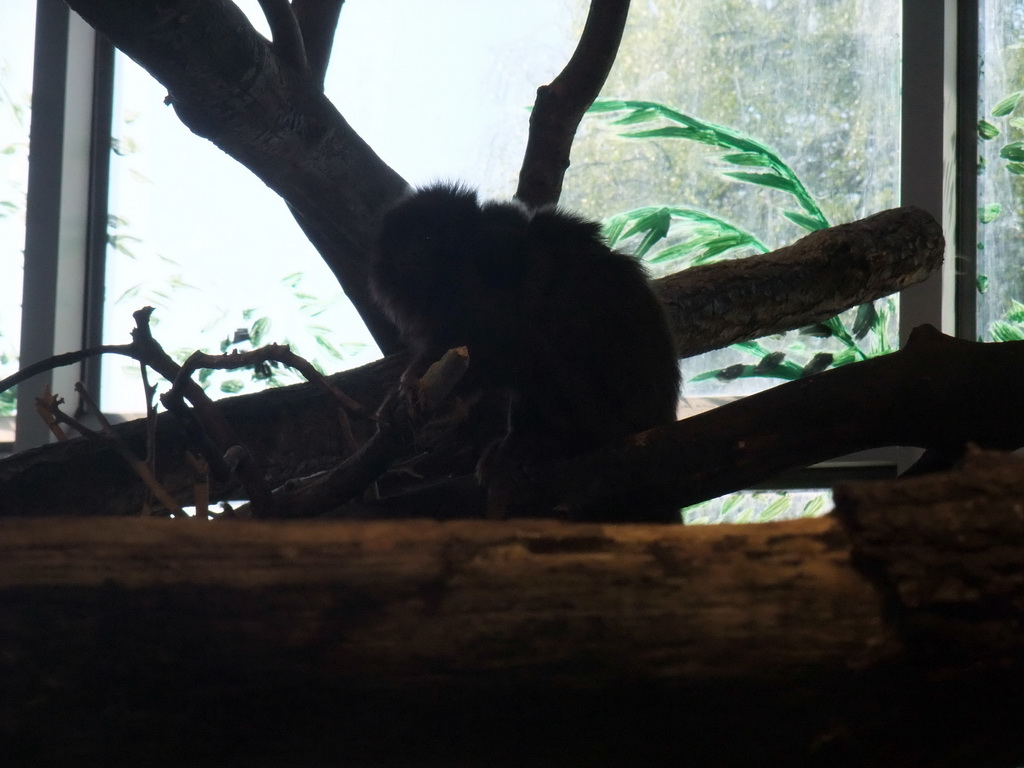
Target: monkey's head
column 422, row 245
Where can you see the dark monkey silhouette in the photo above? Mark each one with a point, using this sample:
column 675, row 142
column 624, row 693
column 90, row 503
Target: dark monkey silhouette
column 570, row 328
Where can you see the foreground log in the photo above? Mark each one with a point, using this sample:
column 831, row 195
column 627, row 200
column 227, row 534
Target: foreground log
column 182, row 642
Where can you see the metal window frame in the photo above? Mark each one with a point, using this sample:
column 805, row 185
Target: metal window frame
column 66, row 216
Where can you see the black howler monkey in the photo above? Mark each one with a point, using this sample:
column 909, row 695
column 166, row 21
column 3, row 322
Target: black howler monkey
column 570, row 328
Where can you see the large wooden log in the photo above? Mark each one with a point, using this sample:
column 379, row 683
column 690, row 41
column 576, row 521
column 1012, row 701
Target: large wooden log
column 418, row 643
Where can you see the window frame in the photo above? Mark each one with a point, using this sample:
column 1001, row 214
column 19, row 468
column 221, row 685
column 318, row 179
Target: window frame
column 66, row 221
column 66, row 208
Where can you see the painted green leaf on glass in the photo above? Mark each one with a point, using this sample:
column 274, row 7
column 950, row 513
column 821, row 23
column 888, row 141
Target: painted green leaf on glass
column 989, row 213
column 1013, row 151
column 986, row 130
column 1007, row 105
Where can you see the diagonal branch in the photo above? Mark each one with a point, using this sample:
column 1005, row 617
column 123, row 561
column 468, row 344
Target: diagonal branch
column 937, row 393
column 815, row 278
column 272, row 118
column 561, row 104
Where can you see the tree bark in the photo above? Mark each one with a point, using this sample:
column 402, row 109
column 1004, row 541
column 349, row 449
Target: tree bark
column 561, row 104
column 810, row 281
column 930, row 394
column 523, row 642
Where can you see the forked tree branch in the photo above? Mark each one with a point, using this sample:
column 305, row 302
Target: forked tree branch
column 285, row 32
column 227, row 85
column 318, row 22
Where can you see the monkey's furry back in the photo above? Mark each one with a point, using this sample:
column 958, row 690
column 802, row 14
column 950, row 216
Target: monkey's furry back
column 546, row 309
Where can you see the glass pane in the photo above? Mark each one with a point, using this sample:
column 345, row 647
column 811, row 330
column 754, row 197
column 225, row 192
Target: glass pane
column 1000, row 280
column 443, row 90
column 198, row 237
column 811, row 84
column 759, row 507
column 17, row 34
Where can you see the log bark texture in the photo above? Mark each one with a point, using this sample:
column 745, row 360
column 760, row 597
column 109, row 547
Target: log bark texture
column 813, row 279
column 480, row 643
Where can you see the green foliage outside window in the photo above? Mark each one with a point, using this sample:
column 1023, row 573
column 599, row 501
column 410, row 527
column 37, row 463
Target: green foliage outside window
column 679, row 237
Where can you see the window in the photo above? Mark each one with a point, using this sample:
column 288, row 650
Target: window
column 196, row 236
column 15, row 101
column 817, row 81
column 999, row 287
column 752, row 69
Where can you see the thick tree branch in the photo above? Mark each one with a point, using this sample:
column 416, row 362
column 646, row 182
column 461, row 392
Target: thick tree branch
column 286, row 428
column 286, row 35
column 932, row 394
column 561, row 104
column 975, row 511
column 810, row 281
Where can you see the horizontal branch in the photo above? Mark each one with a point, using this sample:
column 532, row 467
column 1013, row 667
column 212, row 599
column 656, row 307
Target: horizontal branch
column 290, row 430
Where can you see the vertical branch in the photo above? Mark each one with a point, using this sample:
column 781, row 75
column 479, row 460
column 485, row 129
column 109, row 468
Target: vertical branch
column 318, row 22
column 285, row 32
column 561, row 104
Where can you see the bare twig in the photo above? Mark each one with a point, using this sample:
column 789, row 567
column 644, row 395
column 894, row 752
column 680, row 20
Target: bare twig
column 398, row 421
column 47, row 406
column 561, row 105
column 140, row 467
column 149, row 390
column 201, row 487
column 64, row 418
column 68, row 358
column 279, row 353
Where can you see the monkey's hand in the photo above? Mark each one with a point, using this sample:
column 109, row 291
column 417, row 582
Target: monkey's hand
column 426, row 383
column 411, row 390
